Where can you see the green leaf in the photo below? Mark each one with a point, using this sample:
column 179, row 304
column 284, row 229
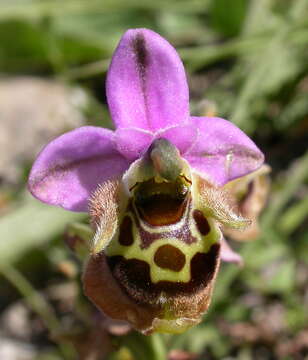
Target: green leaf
column 294, row 216
column 228, row 16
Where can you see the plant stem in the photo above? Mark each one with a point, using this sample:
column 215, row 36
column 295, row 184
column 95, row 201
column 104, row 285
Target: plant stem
column 149, row 347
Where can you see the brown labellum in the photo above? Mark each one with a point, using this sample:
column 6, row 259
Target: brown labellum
column 123, row 290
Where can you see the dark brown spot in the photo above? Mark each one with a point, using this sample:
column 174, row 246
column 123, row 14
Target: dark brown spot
column 201, row 222
column 169, row 257
column 134, row 276
column 126, row 237
column 142, row 63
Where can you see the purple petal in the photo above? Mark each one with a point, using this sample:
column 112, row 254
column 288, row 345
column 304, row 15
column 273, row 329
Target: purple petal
column 182, row 136
column 222, row 152
column 132, row 142
column 146, row 83
column 70, row 167
column 228, row 255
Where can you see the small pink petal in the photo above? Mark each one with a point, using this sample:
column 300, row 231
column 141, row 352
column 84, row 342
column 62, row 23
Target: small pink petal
column 182, row 136
column 132, row 142
column 228, row 255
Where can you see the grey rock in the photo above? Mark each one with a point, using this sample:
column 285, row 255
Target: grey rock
column 33, row 111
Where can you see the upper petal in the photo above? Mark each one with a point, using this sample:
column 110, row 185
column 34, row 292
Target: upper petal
column 222, row 152
column 146, row 83
column 71, row 167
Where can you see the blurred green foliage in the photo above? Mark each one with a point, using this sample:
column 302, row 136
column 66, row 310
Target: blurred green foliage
column 248, row 57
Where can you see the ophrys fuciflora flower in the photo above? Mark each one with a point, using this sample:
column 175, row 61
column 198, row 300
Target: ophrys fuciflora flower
column 154, row 189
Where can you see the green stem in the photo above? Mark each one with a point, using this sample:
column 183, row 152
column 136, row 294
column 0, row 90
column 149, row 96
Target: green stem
column 144, row 347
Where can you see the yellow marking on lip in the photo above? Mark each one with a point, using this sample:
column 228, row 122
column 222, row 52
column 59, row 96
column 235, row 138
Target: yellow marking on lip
column 157, row 274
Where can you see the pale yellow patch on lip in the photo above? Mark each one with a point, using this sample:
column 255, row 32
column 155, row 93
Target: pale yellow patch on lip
column 135, row 251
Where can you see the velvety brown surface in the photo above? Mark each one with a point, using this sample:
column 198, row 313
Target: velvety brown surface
column 169, row 257
column 126, row 232
column 104, row 291
column 161, row 210
column 201, row 222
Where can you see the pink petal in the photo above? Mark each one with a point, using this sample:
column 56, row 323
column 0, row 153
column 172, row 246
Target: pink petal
column 222, row 152
column 228, row 255
column 182, row 136
column 132, row 142
column 70, row 167
column 146, row 83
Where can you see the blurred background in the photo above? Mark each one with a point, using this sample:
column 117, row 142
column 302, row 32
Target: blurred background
column 246, row 61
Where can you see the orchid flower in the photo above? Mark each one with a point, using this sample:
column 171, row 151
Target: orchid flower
column 154, row 189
